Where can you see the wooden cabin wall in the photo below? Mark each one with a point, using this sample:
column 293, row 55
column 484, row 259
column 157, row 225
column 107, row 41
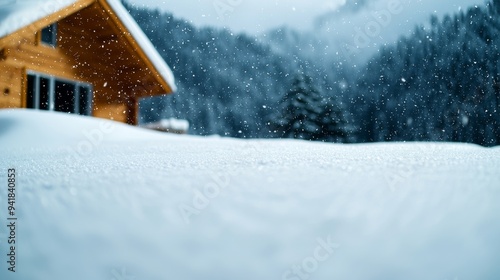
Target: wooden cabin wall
column 11, row 81
column 116, row 112
column 64, row 61
column 29, row 54
column 12, row 73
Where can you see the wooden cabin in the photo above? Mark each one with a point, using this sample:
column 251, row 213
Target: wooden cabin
column 87, row 57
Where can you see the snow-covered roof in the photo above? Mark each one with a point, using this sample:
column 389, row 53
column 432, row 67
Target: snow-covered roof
column 169, row 124
column 144, row 42
column 16, row 14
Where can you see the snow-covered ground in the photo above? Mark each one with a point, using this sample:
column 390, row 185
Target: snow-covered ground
column 101, row 200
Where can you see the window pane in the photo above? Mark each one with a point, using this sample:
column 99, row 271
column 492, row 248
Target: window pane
column 44, row 94
column 49, row 34
column 30, row 92
column 65, row 97
column 84, row 101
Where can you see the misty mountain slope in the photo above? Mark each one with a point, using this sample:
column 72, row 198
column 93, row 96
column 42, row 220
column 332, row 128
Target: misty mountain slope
column 352, row 33
column 334, row 36
column 439, row 83
column 442, row 83
column 228, row 83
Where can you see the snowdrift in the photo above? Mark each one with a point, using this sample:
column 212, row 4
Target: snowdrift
column 100, row 200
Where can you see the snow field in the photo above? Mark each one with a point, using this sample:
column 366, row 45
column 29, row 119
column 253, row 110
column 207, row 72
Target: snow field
column 102, row 200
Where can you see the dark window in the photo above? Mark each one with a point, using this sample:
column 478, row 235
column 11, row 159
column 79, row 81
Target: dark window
column 38, row 93
column 50, row 93
column 84, row 100
column 43, row 104
column 49, row 35
column 65, row 97
column 31, row 92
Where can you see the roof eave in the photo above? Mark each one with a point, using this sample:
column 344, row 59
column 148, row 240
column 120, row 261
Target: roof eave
column 163, row 74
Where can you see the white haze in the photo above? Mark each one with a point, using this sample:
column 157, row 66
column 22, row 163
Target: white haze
column 259, row 16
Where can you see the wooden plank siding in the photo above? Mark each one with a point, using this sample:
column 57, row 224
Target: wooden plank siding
column 93, row 47
column 11, row 87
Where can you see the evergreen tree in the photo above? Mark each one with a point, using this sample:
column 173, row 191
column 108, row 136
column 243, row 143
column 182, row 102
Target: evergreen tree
column 332, row 123
column 306, row 115
column 300, row 108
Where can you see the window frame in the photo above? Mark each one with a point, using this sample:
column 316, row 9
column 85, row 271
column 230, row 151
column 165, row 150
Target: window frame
column 52, row 92
column 54, row 32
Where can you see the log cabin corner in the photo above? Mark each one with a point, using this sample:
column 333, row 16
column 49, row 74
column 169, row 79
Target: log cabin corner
column 87, row 57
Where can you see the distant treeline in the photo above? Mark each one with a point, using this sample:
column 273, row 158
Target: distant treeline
column 442, row 83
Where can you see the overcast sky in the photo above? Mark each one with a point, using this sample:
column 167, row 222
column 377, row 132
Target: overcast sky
column 256, row 16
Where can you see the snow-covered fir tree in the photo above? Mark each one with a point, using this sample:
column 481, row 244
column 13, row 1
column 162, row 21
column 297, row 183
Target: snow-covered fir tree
column 333, row 126
column 300, row 108
column 305, row 114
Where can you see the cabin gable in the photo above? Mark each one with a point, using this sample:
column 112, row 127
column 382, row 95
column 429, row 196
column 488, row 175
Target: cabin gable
column 93, row 47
